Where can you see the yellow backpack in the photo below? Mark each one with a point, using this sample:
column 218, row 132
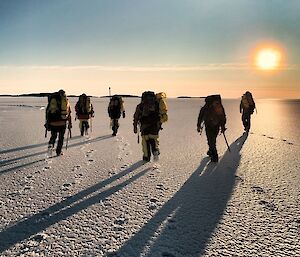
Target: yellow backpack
column 163, row 109
column 58, row 107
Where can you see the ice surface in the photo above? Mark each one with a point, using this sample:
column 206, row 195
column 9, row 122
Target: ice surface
column 100, row 199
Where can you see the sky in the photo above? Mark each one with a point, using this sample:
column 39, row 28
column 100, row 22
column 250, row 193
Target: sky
column 190, row 47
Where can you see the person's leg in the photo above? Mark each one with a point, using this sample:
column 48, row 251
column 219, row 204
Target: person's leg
column 154, row 143
column 244, row 119
column 114, row 126
column 248, row 121
column 61, row 134
column 146, row 148
column 53, row 137
column 81, row 127
column 212, row 134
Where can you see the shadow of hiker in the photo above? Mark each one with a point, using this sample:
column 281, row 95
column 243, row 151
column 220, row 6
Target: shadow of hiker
column 66, row 208
column 14, row 160
column 185, row 224
column 30, row 146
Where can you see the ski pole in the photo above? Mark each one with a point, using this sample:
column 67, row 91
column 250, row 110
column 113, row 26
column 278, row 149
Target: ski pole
column 46, row 133
column 109, row 92
column 226, row 141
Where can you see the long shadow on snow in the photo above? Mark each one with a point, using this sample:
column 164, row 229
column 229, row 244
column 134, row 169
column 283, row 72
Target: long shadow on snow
column 30, row 146
column 66, row 208
column 14, row 160
column 185, row 224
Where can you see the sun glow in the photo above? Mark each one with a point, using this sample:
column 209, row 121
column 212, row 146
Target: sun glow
column 268, row 59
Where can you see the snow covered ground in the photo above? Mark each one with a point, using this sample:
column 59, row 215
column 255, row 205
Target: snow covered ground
column 99, row 199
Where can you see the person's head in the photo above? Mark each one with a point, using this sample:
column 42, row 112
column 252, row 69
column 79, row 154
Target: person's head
column 247, row 93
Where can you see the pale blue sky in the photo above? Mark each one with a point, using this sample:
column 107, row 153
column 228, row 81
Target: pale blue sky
column 135, row 33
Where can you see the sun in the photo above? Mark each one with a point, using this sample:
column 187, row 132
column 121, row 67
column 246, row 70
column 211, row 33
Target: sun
column 268, row 59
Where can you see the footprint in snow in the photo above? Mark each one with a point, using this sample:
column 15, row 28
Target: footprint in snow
column 46, row 167
column 90, row 160
column 290, row 143
column 66, row 186
column 268, row 205
column 161, row 187
column 270, row 137
column 239, row 179
column 121, row 221
column 257, row 189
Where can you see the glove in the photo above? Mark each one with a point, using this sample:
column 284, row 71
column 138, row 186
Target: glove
column 134, row 130
column 223, row 129
column 124, row 115
column 199, row 129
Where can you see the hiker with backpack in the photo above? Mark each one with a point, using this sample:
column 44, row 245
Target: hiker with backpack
column 214, row 118
column 247, row 107
column 115, row 109
column 58, row 113
column 84, row 111
column 149, row 115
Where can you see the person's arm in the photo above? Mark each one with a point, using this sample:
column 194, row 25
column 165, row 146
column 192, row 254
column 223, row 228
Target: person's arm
column 201, row 117
column 136, row 117
column 123, row 109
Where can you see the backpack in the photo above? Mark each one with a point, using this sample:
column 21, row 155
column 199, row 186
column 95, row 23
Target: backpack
column 83, row 106
column 248, row 102
column 215, row 111
column 163, row 109
column 115, row 106
column 150, row 112
column 58, row 107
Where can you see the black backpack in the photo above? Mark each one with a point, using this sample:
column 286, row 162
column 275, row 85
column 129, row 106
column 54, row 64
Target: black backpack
column 215, row 111
column 114, row 107
column 149, row 108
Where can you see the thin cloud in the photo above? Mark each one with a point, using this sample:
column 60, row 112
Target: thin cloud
column 171, row 68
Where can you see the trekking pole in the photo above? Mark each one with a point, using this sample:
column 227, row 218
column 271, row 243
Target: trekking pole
column 226, row 141
column 138, row 135
column 109, row 92
column 91, row 124
column 46, row 133
column 67, row 139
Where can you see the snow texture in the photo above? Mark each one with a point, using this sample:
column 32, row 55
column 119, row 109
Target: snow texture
column 100, row 199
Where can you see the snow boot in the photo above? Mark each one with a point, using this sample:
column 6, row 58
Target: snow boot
column 146, row 159
column 214, row 158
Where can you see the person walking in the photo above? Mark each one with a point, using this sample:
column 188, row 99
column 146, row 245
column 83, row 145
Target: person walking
column 115, row 109
column 84, row 112
column 149, row 116
column 58, row 113
column 212, row 114
column 247, row 107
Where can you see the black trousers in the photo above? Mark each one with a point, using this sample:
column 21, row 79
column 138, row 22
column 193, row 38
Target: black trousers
column 115, row 125
column 60, row 130
column 211, row 134
column 246, row 118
